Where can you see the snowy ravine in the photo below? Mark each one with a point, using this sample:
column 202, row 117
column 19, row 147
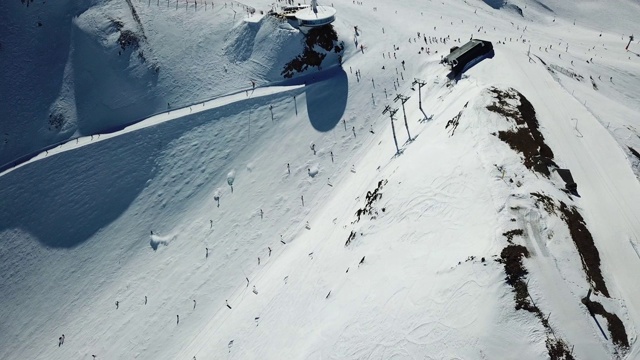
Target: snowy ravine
column 176, row 212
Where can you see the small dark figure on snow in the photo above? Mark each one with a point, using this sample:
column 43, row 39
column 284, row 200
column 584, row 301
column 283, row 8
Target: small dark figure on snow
column 227, row 302
column 177, row 319
column 269, row 250
column 117, row 304
column 361, row 261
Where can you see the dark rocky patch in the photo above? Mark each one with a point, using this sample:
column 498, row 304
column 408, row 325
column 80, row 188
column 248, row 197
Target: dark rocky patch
column 511, row 233
column 351, row 237
column 634, row 152
column 614, row 324
column 526, row 138
column 302, row 62
column 127, row 39
column 582, row 238
column 370, row 199
column 511, row 256
column 558, row 349
column 545, row 201
column 586, row 247
column 56, row 121
column 325, row 38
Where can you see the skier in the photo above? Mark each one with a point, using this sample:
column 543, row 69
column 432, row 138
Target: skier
column 269, row 250
column 227, row 302
column 145, row 299
column 194, row 303
column 258, row 260
column 59, row 341
column 207, row 252
column 288, row 169
column 177, row 319
column 117, row 304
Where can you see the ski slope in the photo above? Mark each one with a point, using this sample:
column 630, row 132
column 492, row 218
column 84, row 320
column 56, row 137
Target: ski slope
column 232, row 226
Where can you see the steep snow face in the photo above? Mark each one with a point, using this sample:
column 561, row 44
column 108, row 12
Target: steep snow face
column 283, row 222
column 93, row 67
column 36, row 74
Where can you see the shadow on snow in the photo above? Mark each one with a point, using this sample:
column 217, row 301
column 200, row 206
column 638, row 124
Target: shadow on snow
column 326, row 93
column 65, row 199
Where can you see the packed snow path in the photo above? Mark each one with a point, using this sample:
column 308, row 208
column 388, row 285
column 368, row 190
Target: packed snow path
column 170, row 114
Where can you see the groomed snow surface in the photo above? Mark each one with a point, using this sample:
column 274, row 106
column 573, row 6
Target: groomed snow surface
column 280, row 222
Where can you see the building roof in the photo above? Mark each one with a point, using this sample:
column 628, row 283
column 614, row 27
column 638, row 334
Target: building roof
column 324, row 12
column 463, row 49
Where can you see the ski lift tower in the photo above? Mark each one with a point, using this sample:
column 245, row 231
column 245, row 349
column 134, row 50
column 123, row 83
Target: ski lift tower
column 315, row 16
column 630, row 40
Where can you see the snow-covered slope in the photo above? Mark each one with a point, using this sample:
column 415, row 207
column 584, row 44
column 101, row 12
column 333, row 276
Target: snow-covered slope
column 281, row 223
column 74, row 69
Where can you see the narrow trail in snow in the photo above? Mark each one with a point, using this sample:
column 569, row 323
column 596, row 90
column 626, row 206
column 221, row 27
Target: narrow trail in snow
column 169, row 115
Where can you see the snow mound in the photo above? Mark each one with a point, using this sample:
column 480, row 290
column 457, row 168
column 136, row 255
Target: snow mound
column 156, row 241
